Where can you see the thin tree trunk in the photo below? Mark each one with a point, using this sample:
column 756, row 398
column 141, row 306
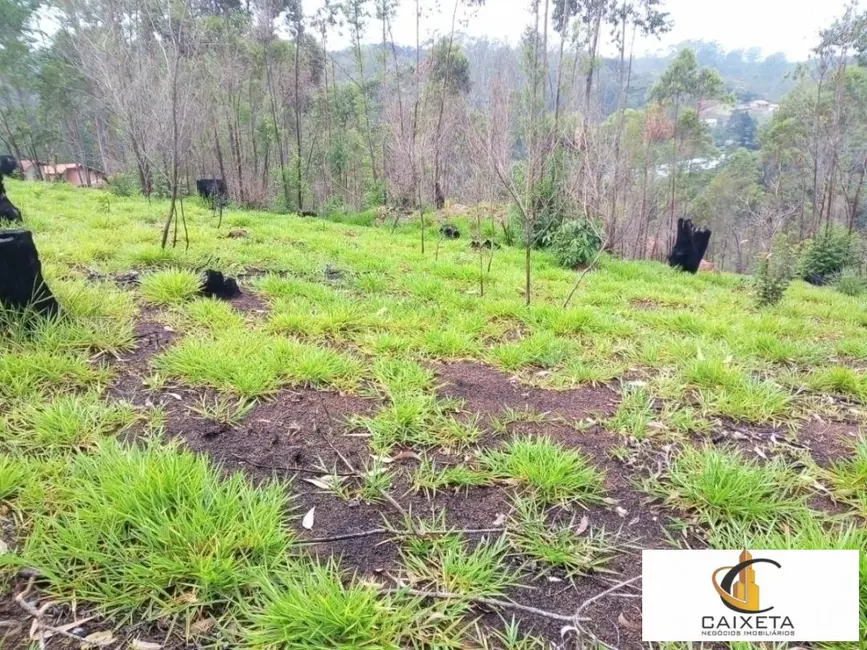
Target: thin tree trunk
column 438, row 186
column 277, row 135
column 298, row 122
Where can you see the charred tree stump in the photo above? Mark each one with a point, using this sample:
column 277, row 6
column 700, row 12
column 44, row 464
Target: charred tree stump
column 689, row 247
column 8, row 211
column 216, row 285
column 21, row 283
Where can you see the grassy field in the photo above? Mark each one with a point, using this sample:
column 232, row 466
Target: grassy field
column 375, row 448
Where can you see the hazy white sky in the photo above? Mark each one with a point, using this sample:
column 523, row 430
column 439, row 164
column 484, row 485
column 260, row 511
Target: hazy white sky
column 788, row 26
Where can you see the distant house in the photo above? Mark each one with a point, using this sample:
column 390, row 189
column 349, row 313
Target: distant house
column 72, row 173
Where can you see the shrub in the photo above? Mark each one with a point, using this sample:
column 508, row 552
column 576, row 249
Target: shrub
column 774, row 273
column 123, row 184
column 575, row 243
column 334, row 207
column 851, row 283
column 375, row 194
column 827, row 254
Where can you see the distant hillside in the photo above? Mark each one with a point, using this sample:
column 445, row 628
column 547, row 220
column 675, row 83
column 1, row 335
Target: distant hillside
column 746, row 73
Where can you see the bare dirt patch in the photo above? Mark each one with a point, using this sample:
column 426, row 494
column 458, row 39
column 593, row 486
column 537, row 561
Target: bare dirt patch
column 488, row 391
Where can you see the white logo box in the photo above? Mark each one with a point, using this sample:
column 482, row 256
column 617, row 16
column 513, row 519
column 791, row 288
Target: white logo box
column 812, row 596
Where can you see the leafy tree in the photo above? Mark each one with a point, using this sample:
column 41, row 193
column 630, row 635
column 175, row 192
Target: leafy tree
column 741, row 128
column 681, row 82
column 450, row 68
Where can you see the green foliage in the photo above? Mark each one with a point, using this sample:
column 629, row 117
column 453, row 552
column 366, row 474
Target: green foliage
column 550, row 471
column 308, row 607
column 375, row 194
column 170, row 286
column 13, row 474
column 156, row 531
column 575, row 243
column 450, row 67
column 830, row 252
column 773, row 276
column 123, row 184
column 721, row 485
column 851, row 283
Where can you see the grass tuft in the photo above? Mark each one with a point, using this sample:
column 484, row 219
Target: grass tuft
column 548, row 470
column 722, row 485
column 155, row 531
column 170, row 286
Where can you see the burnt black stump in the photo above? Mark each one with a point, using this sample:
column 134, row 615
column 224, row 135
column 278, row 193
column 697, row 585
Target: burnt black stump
column 216, row 285
column 21, row 282
column 689, row 247
column 8, row 211
column 449, row 231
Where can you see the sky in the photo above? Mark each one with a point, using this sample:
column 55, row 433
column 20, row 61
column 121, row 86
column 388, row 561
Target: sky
column 787, row 26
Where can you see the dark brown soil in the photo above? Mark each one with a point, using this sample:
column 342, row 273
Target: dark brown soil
column 486, row 390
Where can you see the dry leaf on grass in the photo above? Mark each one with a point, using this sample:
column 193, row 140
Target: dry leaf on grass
column 625, row 622
column 307, row 522
column 98, row 640
column 202, row 626
column 138, row 644
column 582, row 525
column 323, row 483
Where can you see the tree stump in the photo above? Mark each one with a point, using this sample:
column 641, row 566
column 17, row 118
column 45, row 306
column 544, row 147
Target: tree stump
column 8, row 211
column 689, row 247
column 21, row 283
column 216, row 285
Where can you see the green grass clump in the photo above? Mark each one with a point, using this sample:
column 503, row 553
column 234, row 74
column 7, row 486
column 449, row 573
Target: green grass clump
column 67, row 422
column 806, row 532
column 13, row 474
column 254, row 364
column 450, row 563
column 155, row 531
column 848, row 478
column 548, row 470
column 170, row 286
column 839, row 380
column 722, row 485
column 27, row 373
column 634, row 412
column 555, row 545
column 309, row 607
column 430, row 477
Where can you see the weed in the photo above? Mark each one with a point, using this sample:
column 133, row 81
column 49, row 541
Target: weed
column 553, row 473
column 223, row 409
column 155, row 531
column 13, row 474
column 848, row 477
column 308, row 607
column 449, row 564
column 170, row 286
column 67, row 422
column 558, row 545
column 722, row 485
column 634, row 412
column 429, row 477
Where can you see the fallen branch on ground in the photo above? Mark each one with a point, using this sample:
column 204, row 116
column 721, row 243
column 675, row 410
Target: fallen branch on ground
column 491, row 602
column 397, row 533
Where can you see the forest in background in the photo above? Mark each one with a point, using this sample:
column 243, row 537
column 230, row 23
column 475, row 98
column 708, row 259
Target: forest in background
column 161, row 92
